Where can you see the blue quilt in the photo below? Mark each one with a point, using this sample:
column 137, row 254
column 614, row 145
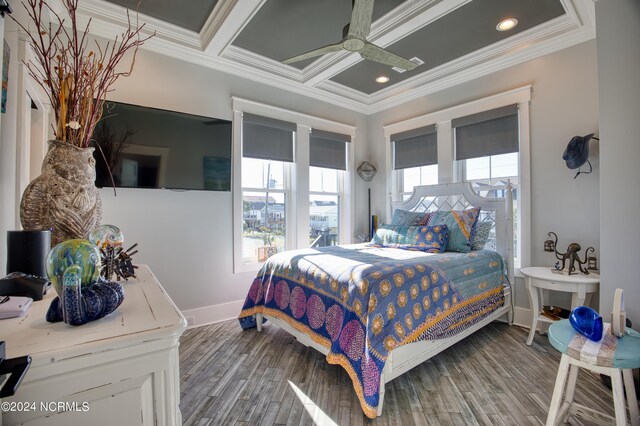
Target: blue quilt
column 360, row 301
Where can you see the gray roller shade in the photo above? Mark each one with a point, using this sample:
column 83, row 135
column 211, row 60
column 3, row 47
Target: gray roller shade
column 328, row 149
column 266, row 138
column 415, row 148
column 487, row 133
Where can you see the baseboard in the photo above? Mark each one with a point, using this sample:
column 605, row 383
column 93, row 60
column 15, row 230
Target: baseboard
column 212, row 314
column 522, row 318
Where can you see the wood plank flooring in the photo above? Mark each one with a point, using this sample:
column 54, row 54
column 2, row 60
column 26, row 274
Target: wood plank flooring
column 235, row 377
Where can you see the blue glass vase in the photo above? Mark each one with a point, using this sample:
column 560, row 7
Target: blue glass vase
column 73, row 267
column 587, row 322
column 73, row 252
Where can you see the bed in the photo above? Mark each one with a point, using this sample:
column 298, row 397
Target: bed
column 379, row 311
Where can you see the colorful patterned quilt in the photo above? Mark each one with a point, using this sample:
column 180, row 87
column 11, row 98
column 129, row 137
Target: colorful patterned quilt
column 360, row 301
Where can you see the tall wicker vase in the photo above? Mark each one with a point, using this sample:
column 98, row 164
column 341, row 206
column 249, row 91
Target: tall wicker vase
column 64, row 198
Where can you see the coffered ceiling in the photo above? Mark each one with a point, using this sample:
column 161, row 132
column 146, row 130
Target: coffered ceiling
column 456, row 39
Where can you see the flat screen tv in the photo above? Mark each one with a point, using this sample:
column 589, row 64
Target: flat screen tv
column 153, row 148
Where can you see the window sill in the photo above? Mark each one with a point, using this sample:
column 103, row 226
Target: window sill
column 243, row 267
column 517, row 273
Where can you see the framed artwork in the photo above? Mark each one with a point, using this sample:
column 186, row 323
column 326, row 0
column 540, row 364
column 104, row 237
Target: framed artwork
column 217, row 173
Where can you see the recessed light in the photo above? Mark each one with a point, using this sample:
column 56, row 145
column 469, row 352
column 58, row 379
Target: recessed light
column 507, row 24
column 382, row 79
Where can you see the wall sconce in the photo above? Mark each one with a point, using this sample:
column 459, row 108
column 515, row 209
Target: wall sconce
column 367, row 171
column 571, row 255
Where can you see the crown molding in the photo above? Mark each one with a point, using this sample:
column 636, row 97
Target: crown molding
column 103, row 13
column 108, row 28
column 226, row 21
column 549, row 37
column 216, row 19
column 480, row 70
column 252, row 59
column 213, row 48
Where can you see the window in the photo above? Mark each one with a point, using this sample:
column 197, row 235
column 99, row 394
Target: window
column 328, row 161
column 485, row 142
column 292, row 179
column 415, row 158
column 263, row 207
column 487, row 154
column 267, row 153
column 417, row 176
column 324, row 207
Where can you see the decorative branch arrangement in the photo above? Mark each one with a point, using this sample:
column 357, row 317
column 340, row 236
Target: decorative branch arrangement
column 75, row 77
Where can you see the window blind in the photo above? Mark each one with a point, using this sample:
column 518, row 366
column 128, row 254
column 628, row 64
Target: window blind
column 328, row 149
column 487, row 133
column 415, row 148
column 267, row 138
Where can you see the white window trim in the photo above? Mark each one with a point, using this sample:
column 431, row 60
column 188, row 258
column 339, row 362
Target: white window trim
column 446, row 165
column 343, row 237
column 297, row 204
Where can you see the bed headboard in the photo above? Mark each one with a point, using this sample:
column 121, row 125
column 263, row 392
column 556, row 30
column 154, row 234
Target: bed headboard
column 460, row 196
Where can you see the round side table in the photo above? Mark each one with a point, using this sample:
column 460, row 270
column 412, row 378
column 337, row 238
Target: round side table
column 613, row 356
column 542, row 279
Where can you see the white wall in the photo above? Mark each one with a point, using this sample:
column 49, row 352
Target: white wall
column 564, row 104
column 186, row 237
column 8, row 146
column 618, row 26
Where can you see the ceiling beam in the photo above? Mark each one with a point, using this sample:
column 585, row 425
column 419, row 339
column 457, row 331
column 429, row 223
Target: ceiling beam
column 226, row 21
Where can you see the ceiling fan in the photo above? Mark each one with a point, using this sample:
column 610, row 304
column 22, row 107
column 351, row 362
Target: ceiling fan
column 355, row 40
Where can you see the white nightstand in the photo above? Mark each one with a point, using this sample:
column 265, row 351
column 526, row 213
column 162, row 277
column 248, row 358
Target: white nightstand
column 539, row 278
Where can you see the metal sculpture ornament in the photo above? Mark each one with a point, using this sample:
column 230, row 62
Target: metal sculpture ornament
column 571, row 255
column 115, row 260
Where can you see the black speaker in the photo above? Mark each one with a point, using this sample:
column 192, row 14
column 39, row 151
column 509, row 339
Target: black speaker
column 27, row 252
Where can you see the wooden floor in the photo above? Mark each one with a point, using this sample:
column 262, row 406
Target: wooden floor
column 230, row 376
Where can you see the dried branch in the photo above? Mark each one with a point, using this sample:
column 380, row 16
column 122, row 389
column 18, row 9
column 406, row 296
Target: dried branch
column 76, row 79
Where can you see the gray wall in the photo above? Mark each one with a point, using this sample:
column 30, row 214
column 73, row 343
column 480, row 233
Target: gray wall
column 618, row 26
column 186, row 236
column 564, row 104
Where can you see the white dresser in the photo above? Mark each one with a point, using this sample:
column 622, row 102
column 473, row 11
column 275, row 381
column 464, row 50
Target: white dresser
column 119, row 370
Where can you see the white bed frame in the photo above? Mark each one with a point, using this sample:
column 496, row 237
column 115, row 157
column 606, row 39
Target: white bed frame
column 453, row 196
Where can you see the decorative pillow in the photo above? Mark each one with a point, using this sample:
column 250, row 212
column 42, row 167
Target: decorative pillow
column 481, row 235
column 432, row 239
column 409, row 218
column 460, row 225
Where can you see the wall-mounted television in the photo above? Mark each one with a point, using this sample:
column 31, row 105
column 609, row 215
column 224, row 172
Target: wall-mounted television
column 154, row 148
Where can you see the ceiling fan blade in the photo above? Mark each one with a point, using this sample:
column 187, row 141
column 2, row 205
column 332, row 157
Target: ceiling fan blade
column 378, row 54
column 313, row 53
column 360, row 25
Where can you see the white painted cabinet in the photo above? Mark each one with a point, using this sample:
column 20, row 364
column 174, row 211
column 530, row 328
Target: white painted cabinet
column 119, row 370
